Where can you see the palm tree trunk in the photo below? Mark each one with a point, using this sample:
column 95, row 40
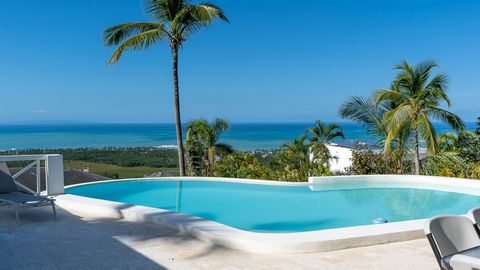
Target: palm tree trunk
column 417, row 154
column 211, row 160
column 178, row 122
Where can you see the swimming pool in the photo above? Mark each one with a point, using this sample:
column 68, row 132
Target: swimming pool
column 279, row 208
column 327, row 213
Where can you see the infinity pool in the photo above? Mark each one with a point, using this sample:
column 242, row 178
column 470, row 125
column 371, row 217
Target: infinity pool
column 277, row 208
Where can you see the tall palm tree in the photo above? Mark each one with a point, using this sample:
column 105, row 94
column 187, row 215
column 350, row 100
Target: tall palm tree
column 419, row 100
column 202, row 141
column 175, row 21
column 320, row 135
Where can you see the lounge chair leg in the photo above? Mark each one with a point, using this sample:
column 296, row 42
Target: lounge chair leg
column 54, row 211
column 16, row 215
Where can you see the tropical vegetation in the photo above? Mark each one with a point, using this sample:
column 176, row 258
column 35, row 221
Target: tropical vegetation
column 319, row 136
column 417, row 98
column 294, row 161
column 175, row 21
column 203, row 147
column 401, row 117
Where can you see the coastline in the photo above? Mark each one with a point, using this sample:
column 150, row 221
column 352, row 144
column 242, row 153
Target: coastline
column 242, row 136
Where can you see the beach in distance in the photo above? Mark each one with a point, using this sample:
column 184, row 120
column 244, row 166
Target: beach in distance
column 242, row 136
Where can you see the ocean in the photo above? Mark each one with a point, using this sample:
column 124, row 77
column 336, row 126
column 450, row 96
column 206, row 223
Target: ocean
column 242, row 136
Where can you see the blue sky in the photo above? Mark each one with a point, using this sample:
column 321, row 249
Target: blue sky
column 276, row 60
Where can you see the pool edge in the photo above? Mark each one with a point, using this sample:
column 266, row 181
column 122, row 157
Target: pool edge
column 220, row 234
column 298, row 242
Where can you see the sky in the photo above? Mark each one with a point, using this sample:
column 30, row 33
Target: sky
column 276, row 61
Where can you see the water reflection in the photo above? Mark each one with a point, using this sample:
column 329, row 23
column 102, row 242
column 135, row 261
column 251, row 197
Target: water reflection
column 178, row 196
column 403, row 204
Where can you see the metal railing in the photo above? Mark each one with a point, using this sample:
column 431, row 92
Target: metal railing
column 54, row 181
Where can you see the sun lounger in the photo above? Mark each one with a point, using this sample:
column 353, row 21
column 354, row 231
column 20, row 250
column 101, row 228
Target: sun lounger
column 455, row 242
column 11, row 195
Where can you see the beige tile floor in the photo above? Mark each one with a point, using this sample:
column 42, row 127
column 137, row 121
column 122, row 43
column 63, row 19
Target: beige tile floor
column 79, row 241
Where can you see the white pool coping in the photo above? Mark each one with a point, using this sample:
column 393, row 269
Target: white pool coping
column 299, row 242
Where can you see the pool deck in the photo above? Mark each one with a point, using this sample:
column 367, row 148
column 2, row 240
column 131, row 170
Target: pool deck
column 84, row 241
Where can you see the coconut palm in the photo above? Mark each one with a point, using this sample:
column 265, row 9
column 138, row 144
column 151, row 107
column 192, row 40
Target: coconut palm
column 295, row 159
column 175, row 21
column 418, row 101
column 202, row 144
column 320, row 135
column 296, row 163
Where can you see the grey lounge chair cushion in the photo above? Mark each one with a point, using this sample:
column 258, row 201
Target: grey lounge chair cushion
column 18, row 197
column 473, row 252
column 452, row 234
column 7, row 185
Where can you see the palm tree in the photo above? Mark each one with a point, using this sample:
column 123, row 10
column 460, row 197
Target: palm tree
column 296, row 163
column 175, row 21
column 320, row 135
column 295, row 159
column 369, row 114
column 418, row 100
column 202, row 142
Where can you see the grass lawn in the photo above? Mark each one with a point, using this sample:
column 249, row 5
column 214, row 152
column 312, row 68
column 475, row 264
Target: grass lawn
column 113, row 171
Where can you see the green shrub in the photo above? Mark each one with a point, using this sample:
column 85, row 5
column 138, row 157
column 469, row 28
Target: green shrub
column 370, row 162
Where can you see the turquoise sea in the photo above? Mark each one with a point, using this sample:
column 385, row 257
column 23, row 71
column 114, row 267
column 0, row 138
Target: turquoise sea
column 242, row 136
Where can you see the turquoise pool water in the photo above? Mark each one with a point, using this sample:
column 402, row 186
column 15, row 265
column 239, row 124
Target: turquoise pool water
column 272, row 208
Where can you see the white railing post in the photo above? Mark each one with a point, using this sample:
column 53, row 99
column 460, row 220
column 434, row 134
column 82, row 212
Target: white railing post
column 54, row 179
column 54, row 174
column 38, row 177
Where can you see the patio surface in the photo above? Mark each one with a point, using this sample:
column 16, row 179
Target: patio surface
column 80, row 241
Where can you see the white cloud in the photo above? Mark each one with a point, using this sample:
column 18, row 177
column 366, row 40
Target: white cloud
column 38, row 111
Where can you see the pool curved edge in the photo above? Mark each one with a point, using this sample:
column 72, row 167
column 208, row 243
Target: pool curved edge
column 299, row 242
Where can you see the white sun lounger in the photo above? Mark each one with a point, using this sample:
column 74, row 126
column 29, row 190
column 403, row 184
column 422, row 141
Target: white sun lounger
column 455, row 242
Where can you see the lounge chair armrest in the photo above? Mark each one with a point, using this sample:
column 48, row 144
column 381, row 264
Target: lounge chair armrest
column 464, row 262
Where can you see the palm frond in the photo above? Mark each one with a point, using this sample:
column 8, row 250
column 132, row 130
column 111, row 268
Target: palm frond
column 363, row 111
column 422, row 73
column 164, row 10
column 221, row 125
column 447, row 142
column 445, row 116
column 323, row 133
column 436, row 89
column 428, row 133
column 207, row 12
column 142, row 40
column 397, row 118
column 389, row 95
column 193, row 17
column 116, row 34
